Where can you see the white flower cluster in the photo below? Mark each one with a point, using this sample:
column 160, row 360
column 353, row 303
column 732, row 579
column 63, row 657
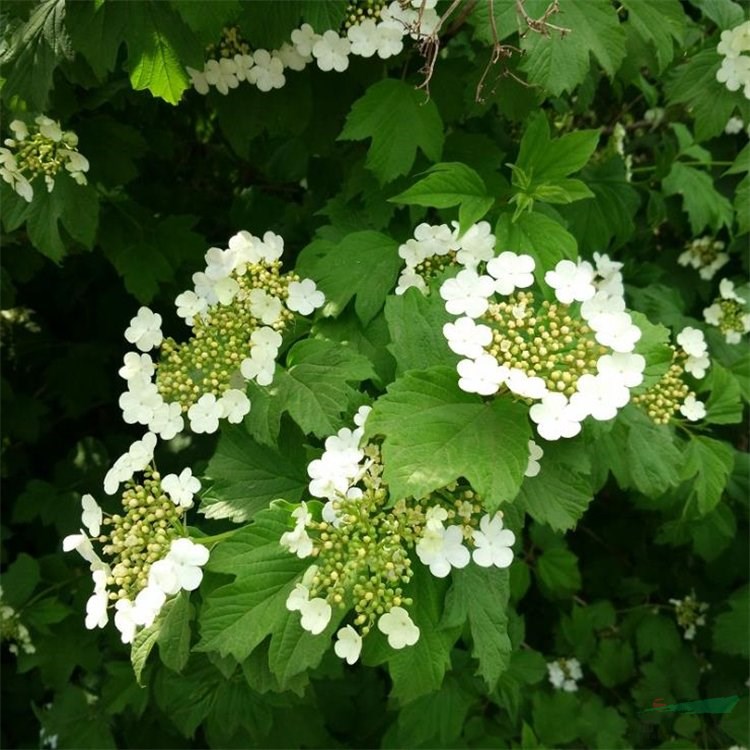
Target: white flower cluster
column 575, row 358
column 434, row 248
column 361, row 542
column 441, row 548
column 141, row 577
column 40, row 149
column 240, row 289
column 13, row 630
column 734, row 47
column 728, row 313
column 564, row 674
column 330, row 50
column 690, row 613
column 706, row 255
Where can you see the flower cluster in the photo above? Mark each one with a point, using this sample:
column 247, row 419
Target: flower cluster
column 564, row 674
column 734, row 72
column 690, row 614
column 148, row 557
column 238, row 309
column 574, row 356
column 42, row 148
column 706, row 255
column 736, row 125
column 13, row 630
column 370, row 28
column 728, row 313
column 361, row 542
column 672, row 394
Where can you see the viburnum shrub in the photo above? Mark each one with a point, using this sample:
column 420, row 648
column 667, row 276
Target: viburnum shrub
column 385, row 364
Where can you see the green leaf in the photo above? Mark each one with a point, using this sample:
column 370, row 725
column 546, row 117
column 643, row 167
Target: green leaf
column 561, row 63
column 246, row 476
column 480, row 595
column 239, row 616
column 269, row 25
column 724, row 405
column 694, row 84
column 558, row 572
column 553, row 715
column 323, row 14
column 415, row 323
column 653, row 460
column 141, row 648
column 661, row 24
column 315, row 388
column 539, row 236
column 731, row 628
column 436, row 719
column 607, row 220
column 613, row 663
column 654, row 345
column 435, row 433
column 20, row 580
column 74, row 206
column 174, row 633
column 34, row 51
column 506, row 20
column 364, row 265
column 708, row 462
column 726, row 14
column 97, row 32
column 742, row 206
column 419, row 669
column 545, row 159
column 382, row 114
column 450, row 184
column 160, row 46
column 559, row 495
column 207, row 20
column 704, row 205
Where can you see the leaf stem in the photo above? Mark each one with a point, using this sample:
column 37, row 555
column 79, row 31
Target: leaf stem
column 215, row 539
column 652, row 167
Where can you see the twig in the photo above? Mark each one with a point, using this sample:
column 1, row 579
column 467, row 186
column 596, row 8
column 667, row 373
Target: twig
column 541, row 25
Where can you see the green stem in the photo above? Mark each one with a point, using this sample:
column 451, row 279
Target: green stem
column 208, row 540
column 652, row 167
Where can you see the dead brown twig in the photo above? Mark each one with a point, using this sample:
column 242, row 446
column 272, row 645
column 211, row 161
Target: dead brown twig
column 542, row 25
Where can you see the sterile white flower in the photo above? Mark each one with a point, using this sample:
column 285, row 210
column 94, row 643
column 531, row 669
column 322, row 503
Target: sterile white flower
column 467, row 338
column 523, row 384
column 389, row 39
column 726, row 290
column 697, row 366
column 467, row 293
column 441, row 549
column 616, row 330
column 511, row 272
column 220, row 262
column 601, row 303
column 572, row 281
column 264, row 306
column 693, row 409
column 433, row 239
column 182, row 488
column 298, row 597
column 734, row 125
column 141, row 401
column 268, row 71
column 141, row 452
column 136, row 366
column 398, row 627
column 181, row 568
column 82, row 545
column 147, row 605
column 554, row 417
column 482, row 375
column 713, row 314
column 304, row 297
column 222, row 74
column 304, row 39
column 245, row 248
column 316, row 614
column 198, row 80
column 409, row 279
column 331, row 52
column 364, row 38
column 125, row 620
column 91, row 517
column 624, row 368
column 493, row 543
column 360, row 418
column 692, row 341
column 535, row 453
column 243, row 66
column 49, row 128
column 96, row 606
column 235, row 405
column 599, row 397
column 475, row 245
column 20, row 131
column 145, row 330
column 204, row 414
column 259, row 366
column 291, row 58
column 166, row 420
column 348, row 644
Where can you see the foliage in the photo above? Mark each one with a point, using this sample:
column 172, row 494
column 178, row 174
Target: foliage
column 596, row 129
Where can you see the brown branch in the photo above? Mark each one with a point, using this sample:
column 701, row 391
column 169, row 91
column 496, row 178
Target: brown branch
column 541, row 25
